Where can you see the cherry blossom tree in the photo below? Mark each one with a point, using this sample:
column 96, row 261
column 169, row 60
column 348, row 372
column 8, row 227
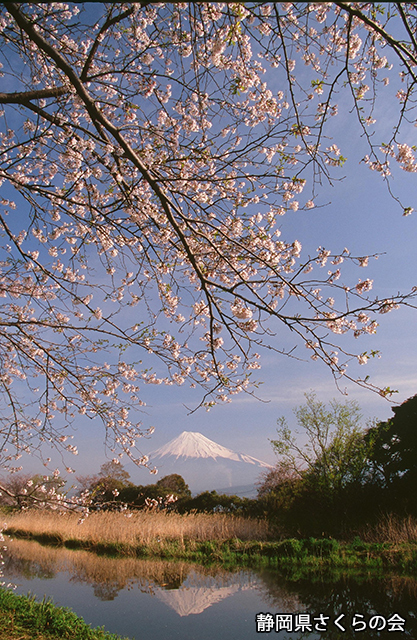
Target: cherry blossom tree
column 148, row 152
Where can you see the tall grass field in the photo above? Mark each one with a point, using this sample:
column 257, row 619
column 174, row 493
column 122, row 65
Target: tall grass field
column 217, row 537
column 137, row 528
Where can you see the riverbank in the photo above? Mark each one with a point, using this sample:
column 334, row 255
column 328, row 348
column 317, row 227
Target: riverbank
column 22, row 618
column 206, row 539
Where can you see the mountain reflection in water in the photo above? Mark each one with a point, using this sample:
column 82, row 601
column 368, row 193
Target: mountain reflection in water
column 186, row 588
column 191, row 591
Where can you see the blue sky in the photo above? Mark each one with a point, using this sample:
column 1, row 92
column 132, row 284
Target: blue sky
column 356, row 212
column 359, row 213
column 362, row 216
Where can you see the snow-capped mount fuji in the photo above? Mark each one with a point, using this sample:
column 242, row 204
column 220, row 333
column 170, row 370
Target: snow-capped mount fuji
column 205, row 464
column 191, row 444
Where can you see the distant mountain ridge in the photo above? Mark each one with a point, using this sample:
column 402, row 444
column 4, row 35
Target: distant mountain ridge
column 192, row 444
column 205, row 464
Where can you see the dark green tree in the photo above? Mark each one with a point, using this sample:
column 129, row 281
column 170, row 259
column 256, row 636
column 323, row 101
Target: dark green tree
column 213, row 502
column 393, row 458
column 174, row 483
column 107, row 484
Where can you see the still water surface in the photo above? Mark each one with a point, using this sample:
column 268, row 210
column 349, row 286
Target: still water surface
column 144, row 599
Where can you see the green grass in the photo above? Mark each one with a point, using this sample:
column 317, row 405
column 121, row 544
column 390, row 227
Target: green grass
column 312, row 553
column 23, row 618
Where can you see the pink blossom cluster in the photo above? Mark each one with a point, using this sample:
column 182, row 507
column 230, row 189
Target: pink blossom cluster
column 153, row 152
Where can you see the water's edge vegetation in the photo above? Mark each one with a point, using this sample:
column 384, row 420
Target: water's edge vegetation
column 206, row 539
column 310, row 553
column 23, row 618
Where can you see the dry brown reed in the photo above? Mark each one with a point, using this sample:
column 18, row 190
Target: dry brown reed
column 392, row 529
column 138, row 528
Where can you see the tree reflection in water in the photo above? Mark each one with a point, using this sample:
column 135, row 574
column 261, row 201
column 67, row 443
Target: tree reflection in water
column 190, row 589
column 332, row 594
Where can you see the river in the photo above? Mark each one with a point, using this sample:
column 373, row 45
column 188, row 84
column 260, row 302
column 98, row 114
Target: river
column 158, row 599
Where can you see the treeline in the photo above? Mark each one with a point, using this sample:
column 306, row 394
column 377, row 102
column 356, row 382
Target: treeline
column 343, row 478
column 332, row 478
column 111, row 488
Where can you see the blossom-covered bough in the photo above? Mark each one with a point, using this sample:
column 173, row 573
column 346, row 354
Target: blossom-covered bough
column 148, row 152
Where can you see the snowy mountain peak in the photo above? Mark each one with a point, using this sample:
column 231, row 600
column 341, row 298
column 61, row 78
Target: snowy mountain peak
column 191, row 444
